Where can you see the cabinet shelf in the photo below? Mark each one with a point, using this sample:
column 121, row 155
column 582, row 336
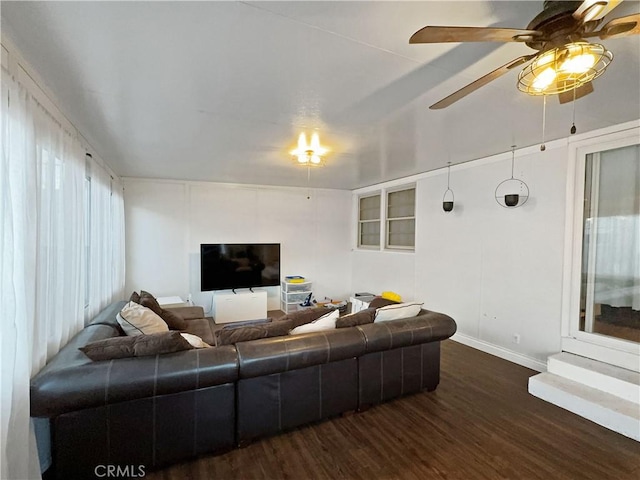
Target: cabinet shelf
column 293, row 294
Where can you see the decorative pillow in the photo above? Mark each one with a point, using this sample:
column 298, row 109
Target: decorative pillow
column 137, row 320
column 326, row 322
column 149, row 301
column 134, row 297
column 397, row 311
column 381, row 302
column 138, row 346
column 173, row 320
column 195, row 341
column 230, row 336
column 304, row 316
column 360, row 318
column 391, row 296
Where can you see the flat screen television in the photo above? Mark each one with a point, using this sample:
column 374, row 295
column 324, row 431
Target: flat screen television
column 225, row 266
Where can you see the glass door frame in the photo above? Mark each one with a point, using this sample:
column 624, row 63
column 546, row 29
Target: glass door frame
column 622, row 353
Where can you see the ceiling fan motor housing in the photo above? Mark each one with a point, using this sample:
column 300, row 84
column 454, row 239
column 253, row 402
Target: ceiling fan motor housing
column 558, row 25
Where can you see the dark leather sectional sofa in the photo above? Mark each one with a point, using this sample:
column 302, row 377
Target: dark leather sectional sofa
column 157, row 410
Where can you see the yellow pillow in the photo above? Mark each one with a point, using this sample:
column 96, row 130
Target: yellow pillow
column 391, row 296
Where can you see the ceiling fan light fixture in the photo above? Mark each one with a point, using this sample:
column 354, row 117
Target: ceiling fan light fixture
column 309, row 154
column 563, row 69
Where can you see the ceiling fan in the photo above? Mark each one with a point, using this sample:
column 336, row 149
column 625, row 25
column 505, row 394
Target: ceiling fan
column 565, row 63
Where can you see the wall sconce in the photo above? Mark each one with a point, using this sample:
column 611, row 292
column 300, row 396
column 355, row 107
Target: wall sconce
column 448, row 198
column 512, row 192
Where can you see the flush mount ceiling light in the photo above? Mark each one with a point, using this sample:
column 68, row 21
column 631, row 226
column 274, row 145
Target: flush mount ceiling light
column 309, row 155
column 564, row 60
column 565, row 68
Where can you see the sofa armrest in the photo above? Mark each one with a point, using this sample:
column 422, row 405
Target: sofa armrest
column 188, row 313
column 425, row 327
column 96, row 384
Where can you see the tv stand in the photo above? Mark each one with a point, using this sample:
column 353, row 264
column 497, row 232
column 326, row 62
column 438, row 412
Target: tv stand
column 238, row 306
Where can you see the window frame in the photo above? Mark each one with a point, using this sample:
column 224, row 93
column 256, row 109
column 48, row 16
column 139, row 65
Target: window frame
column 384, row 220
column 377, row 193
column 598, row 347
column 388, row 220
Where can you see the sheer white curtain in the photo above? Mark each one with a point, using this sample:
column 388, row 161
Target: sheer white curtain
column 106, row 260
column 43, row 264
column 18, row 206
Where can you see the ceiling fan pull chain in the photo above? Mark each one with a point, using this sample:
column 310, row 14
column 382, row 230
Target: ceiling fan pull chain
column 544, row 120
column 308, row 182
column 573, row 125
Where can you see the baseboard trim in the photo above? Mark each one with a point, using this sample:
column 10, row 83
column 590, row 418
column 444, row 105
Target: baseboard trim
column 501, row 352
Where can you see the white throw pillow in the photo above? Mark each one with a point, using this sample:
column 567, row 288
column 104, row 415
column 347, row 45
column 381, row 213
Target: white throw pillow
column 325, row 322
column 138, row 320
column 195, row 341
column 397, row 311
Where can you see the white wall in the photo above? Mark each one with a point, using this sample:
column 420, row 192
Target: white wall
column 496, row 271
column 166, row 221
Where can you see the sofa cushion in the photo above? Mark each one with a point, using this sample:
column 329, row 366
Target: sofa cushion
column 360, row 318
column 304, row 316
column 381, row 302
column 203, row 328
column 397, row 311
column 231, row 336
column 325, row 322
column 173, row 320
column 136, row 346
column 137, row 320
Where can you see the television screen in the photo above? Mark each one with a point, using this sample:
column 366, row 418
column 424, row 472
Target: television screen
column 239, row 265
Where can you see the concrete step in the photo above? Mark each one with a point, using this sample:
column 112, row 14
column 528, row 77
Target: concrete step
column 602, row 376
column 610, row 411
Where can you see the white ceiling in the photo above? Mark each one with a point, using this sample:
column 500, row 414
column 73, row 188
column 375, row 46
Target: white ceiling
column 219, row 91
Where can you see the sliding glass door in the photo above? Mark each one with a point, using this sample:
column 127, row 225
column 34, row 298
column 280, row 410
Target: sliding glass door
column 610, row 292
column 602, row 301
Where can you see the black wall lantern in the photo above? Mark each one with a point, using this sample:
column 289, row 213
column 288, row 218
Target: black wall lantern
column 512, row 192
column 447, row 199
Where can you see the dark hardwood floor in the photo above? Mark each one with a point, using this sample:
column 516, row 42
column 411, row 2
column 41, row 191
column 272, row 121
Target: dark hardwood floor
column 481, row 423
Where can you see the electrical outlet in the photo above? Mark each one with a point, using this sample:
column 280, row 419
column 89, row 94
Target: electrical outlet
column 516, row 338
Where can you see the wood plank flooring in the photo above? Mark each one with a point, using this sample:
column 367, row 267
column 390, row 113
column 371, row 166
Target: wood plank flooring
column 481, row 423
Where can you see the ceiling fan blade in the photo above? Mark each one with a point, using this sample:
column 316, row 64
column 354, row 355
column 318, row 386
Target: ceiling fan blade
column 580, row 92
column 482, row 81
column 619, row 27
column 594, row 9
column 472, row 34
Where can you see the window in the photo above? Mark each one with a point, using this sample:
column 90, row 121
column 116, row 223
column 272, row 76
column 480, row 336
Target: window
column 398, row 224
column 401, row 220
column 369, row 222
